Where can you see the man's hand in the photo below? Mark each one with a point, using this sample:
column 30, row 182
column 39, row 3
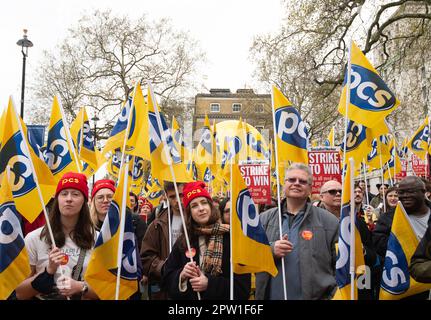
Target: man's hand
column 282, row 247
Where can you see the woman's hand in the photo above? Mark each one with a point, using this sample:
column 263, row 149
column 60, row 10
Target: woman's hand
column 68, row 286
column 55, row 257
column 200, row 283
column 190, row 270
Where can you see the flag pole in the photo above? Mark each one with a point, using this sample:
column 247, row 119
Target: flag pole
column 366, row 184
column 352, row 230
column 126, row 134
column 122, row 224
column 169, row 160
column 169, row 223
column 231, row 240
column 383, row 178
column 277, row 177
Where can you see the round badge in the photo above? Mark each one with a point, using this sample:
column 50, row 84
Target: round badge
column 64, row 260
column 307, row 235
column 191, row 253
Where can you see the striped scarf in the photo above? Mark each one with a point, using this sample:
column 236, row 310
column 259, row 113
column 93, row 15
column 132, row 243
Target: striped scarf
column 212, row 259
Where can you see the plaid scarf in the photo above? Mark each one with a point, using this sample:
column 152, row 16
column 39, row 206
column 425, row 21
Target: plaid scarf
column 212, row 258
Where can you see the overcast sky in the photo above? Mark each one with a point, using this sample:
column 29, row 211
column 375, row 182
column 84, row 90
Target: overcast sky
column 225, row 29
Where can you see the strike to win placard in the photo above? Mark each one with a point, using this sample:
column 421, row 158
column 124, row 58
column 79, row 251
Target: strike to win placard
column 325, row 166
column 256, row 174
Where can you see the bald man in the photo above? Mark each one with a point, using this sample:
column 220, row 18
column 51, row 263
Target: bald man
column 330, row 197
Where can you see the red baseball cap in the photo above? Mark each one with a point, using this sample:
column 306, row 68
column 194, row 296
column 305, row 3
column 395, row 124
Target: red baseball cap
column 73, row 180
column 194, row 190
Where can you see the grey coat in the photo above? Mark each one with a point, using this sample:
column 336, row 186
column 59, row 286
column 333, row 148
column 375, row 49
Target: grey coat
column 317, row 256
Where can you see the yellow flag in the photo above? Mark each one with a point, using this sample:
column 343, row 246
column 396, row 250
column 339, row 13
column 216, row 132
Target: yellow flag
column 59, row 154
column 418, row 144
column 396, row 281
column 102, row 269
column 251, row 251
column 85, row 142
column 342, row 272
column 17, row 157
column 370, row 98
column 14, row 262
column 291, row 132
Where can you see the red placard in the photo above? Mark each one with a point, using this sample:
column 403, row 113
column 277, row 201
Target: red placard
column 419, row 166
column 256, row 174
column 325, row 166
column 403, row 173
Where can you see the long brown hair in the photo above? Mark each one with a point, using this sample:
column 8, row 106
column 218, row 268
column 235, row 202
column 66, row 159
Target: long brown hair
column 82, row 235
column 191, row 225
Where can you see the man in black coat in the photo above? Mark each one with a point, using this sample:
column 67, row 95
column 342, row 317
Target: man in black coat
column 411, row 193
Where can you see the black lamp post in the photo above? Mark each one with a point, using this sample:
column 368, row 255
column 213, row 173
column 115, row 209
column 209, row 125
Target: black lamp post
column 95, row 119
column 24, row 43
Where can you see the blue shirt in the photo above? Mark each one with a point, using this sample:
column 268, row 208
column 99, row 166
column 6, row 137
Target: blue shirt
column 290, row 226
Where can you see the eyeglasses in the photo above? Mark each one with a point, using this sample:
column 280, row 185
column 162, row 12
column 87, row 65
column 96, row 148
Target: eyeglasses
column 102, row 198
column 300, row 181
column 333, row 192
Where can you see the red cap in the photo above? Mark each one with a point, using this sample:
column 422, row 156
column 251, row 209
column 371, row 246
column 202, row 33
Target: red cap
column 103, row 184
column 73, row 180
column 193, row 190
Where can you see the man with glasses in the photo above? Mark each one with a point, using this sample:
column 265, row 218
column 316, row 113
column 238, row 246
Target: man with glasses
column 330, row 197
column 411, row 193
column 307, row 245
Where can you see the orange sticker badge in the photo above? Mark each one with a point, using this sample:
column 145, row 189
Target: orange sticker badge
column 307, row 235
column 64, row 260
column 191, row 253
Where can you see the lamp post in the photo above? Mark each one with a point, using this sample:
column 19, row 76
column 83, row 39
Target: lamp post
column 24, row 43
column 95, row 119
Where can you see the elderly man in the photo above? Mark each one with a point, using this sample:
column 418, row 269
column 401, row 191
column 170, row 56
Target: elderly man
column 330, row 197
column 307, row 244
column 411, row 193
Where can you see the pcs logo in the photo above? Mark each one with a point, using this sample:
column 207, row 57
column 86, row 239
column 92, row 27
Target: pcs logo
column 249, row 218
column 11, row 240
column 368, row 91
column 395, row 277
column 57, row 155
column 356, row 134
column 14, row 159
column 290, row 127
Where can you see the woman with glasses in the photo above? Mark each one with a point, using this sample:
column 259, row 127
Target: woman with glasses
column 101, row 197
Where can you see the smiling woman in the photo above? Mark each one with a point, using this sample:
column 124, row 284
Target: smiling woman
column 209, row 273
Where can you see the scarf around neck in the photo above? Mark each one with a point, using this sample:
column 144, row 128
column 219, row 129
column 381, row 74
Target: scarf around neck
column 212, row 258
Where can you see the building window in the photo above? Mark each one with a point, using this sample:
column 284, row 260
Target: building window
column 215, row 107
column 259, row 128
column 259, row 108
column 236, row 107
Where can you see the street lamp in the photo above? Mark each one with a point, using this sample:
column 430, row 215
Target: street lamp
column 24, row 43
column 95, row 119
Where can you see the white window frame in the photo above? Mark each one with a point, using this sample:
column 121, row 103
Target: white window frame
column 236, row 104
column 213, row 105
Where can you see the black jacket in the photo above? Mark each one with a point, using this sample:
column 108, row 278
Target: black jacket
column 218, row 286
column 420, row 264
